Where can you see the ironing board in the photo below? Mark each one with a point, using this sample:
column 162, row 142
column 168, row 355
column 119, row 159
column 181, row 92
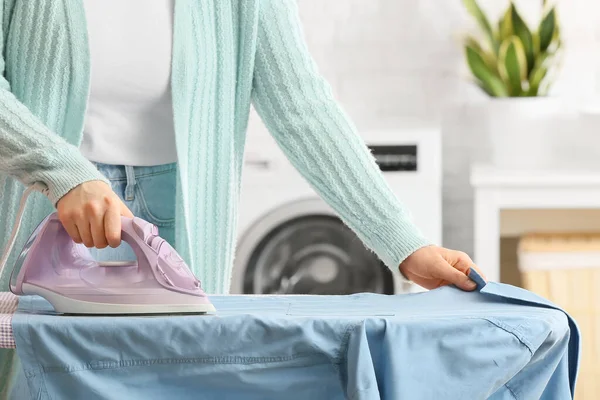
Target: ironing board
column 8, row 306
column 499, row 342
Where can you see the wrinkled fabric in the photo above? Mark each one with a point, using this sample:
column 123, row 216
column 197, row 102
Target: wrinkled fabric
column 499, row 342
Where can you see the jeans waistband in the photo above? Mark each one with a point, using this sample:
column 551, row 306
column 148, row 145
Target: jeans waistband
column 123, row 172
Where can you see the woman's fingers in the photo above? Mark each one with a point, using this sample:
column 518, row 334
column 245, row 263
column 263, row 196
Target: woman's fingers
column 91, row 214
column 476, row 268
column 462, row 262
column 452, row 275
column 459, row 260
column 454, row 268
column 72, row 230
column 96, row 214
column 112, row 226
column 432, row 267
column 125, row 211
column 83, row 226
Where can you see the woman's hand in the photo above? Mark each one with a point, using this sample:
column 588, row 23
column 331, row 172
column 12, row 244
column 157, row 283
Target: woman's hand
column 91, row 214
column 432, row 267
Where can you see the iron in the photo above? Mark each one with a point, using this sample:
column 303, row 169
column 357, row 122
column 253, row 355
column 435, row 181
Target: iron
column 53, row 266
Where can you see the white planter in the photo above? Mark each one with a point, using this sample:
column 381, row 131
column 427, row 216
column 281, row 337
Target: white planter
column 526, row 133
column 586, row 143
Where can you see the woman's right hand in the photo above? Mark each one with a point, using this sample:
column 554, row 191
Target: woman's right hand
column 91, row 214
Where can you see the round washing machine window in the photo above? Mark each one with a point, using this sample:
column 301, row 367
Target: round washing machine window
column 314, row 254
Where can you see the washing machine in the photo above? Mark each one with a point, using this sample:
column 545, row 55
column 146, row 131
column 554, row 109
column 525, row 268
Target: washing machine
column 291, row 242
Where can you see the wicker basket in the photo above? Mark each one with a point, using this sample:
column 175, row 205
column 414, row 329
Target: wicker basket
column 565, row 269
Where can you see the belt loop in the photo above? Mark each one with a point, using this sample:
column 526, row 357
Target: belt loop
column 130, row 188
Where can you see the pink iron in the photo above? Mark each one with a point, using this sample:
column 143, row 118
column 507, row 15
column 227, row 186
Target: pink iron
column 54, row 267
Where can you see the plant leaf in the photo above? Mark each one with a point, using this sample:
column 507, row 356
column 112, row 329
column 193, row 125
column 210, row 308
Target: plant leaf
column 491, row 83
column 485, row 88
column 489, row 58
column 505, row 26
column 536, row 45
column 556, row 42
column 522, row 31
column 474, row 9
column 545, row 86
column 535, row 80
column 539, row 72
column 512, row 65
column 543, row 60
column 553, row 65
column 546, row 29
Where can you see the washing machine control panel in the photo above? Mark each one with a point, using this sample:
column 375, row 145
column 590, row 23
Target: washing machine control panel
column 395, row 157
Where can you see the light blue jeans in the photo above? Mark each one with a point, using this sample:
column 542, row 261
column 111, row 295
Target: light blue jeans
column 149, row 192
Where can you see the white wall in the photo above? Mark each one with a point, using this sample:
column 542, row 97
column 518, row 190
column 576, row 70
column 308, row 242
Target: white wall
column 389, row 59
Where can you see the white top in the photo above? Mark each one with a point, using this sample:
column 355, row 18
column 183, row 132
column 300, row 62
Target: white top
column 129, row 119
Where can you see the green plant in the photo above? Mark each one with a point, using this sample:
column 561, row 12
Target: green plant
column 511, row 60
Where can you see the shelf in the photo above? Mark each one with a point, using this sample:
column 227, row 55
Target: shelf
column 488, row 176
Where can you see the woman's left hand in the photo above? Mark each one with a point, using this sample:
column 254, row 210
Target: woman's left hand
column 432, row 267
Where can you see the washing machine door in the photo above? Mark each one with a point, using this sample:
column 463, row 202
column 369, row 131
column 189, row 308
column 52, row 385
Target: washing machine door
column 303, row 248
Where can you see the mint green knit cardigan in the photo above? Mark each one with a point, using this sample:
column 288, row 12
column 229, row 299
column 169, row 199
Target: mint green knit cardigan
column 227, row 54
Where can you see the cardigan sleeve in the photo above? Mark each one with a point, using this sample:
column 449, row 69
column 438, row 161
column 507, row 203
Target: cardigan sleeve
column 30, row 152
column 300, row 111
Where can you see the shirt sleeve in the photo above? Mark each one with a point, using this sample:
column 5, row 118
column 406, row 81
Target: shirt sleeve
column 300, row 111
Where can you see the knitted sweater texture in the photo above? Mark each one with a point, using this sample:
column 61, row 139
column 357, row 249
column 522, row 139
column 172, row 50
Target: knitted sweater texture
column 227, row 55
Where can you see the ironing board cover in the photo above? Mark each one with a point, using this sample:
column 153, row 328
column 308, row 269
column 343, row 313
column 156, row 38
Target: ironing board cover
column 499, row 342
column 8, row 306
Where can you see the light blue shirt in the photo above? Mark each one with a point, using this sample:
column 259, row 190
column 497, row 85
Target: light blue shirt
column 499, row 342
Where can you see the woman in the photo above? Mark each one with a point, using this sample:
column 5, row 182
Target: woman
column 86, row 108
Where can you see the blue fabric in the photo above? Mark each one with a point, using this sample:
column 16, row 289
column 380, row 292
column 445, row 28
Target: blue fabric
column 499, row 342
column 149, row 192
